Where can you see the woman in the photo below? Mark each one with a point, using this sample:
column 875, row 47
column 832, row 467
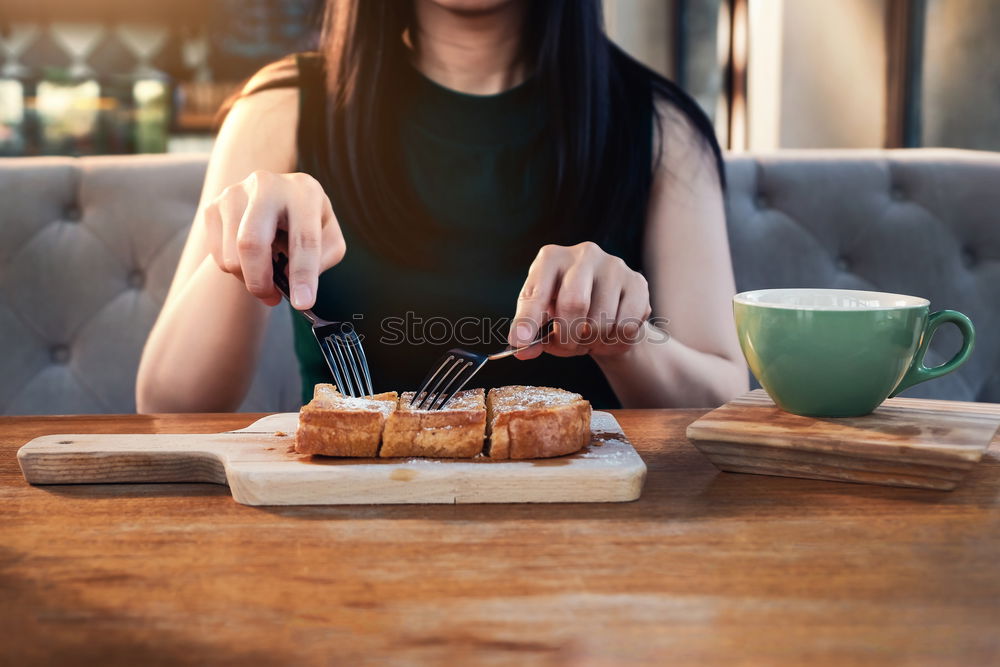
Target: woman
column 455, row 161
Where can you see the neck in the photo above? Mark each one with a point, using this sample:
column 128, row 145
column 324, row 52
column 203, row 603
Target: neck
column 472, row 52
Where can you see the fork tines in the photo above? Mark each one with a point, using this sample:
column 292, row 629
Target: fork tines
column 345, row 356
column 339, row 342
column 456, row 369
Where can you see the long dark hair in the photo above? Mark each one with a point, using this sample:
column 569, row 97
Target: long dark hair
column 600, row 105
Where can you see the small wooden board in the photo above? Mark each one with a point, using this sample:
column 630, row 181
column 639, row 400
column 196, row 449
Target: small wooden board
column 905, row 442
column 261, row 468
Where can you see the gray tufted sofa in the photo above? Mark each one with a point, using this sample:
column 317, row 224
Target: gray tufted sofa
column 87, row 251
column 88, row 247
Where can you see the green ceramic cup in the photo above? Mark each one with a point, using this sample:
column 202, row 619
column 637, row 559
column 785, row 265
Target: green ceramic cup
column 840, row 353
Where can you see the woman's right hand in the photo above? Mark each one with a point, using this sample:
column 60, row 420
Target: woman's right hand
column 243, row 222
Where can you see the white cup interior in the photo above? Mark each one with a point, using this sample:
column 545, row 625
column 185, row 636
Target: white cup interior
column 828, row 299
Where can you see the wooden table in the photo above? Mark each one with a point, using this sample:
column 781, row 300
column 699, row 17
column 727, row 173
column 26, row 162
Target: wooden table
column 707, row 568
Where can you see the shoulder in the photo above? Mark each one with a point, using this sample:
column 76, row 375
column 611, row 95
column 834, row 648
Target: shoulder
column 684, row 143
column 266, row 120
column 283, row 73
column 682, row 134
column 273, row 92
column 261, row 121
column 676, row 138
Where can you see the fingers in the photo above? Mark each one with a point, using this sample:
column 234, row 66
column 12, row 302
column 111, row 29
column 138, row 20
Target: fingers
column 315, row 239
column 305, row 242
column 634, row 309
column 231, row 205
column 573, row 300
column 242, row 224
column 256, row 232
column 572, row 304
column 604, row 307
column 598, row 303
column 536, row 296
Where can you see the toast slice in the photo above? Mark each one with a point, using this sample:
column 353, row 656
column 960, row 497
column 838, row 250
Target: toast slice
column 456, row 432
column 332, row 424
column 536, row 422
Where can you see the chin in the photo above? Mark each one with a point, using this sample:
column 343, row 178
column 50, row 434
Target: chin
column 471, row 6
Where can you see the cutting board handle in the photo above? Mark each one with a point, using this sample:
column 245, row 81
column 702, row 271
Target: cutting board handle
column 102, row 459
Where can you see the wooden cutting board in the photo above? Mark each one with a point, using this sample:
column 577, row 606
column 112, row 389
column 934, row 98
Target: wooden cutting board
column 905, row 442
column 261, row 468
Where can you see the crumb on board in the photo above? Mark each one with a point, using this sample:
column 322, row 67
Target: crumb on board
column 280, row 434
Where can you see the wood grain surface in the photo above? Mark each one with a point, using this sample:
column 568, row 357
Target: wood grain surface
column 707, row 568
column 261, row 467
column 904, row 442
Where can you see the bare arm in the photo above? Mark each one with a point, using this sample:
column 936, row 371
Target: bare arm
column 600, row 304
column 203, row 349
column 691, row 284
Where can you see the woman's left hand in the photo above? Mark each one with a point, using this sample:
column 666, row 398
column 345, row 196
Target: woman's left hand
column 598, row 303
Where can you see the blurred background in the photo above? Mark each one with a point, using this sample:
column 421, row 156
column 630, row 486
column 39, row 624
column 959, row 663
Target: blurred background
column 117, row 76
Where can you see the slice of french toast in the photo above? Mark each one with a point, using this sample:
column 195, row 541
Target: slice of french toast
column 455, row 432
column 333, row 424
column 536, row 422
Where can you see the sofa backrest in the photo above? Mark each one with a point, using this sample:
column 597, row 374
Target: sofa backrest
column 88, row 247
column 923, row 222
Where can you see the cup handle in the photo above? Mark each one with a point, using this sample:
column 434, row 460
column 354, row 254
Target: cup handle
column 918, row 372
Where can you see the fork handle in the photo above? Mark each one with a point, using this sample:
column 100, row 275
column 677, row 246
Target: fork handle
column 542, row 334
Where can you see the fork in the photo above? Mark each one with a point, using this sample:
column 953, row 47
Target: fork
column 339, row 342
column 456, row 367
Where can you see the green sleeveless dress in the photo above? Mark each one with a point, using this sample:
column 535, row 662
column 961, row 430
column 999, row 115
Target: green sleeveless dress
column 478, row 164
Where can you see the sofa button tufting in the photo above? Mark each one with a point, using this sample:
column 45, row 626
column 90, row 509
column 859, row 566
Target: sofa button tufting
column 761, row 201
column 72, row 213
column 59, row 354
column 843, row 263
column 136, row 279
column 969, row 258
column 897, row 193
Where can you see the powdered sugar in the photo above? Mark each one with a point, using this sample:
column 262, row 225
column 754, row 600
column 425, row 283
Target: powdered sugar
column 327, row 394
column 469, row 399
column 518, row 397
column 609, row 448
